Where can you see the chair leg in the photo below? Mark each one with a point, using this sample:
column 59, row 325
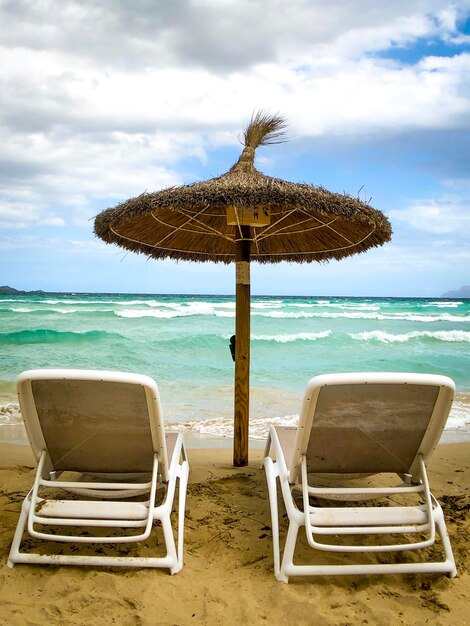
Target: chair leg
column 272, row 492
column 267, row 447
column 181, row 511
column 18, row 536
column 289, row 549
column 170, row 543
column 439, row 519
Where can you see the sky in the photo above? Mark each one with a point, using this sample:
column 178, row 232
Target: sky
column 104, row 99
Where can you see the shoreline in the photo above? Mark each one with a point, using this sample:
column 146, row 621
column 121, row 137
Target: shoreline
column 228, row 556
column 15, row 434
column 217, row 431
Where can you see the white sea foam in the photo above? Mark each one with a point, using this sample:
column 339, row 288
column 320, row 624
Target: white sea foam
column 445, row 317
column 410, row 317
column 103, row 301
column 68, row 311
column 61, row 310
column 440, row 335
column 292, row 337
column 354, row 306
column 218, row 427
column 126, row 302
column 21, row 309
column 459, row 420
column 194, row 304
column 285, row 314
column 151, row 303
column 195, row 308
column 265, row 304
column 203, row 308
column 10, row 414
column 225, row 305
column 275, row 308
column 223, row 426
column 443, row 305
column 207, row 308
column 134, row 314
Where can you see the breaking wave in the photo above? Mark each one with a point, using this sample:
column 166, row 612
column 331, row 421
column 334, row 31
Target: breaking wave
column 439, row 335
column 44, row 335
column 292, row 337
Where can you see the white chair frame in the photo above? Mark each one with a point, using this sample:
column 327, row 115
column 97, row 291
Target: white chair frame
column 348, row 520
column 112, row 513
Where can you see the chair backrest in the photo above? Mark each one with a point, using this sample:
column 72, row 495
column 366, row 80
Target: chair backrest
column 93, row 421
column 371, row 422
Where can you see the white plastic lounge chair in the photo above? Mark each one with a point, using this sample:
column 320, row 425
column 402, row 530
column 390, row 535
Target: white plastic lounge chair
column 353, row 425
column 107, row 425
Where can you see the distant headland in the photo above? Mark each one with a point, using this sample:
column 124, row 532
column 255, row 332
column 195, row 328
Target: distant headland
column 5, row 290
column 463, row 292
column 10, row 291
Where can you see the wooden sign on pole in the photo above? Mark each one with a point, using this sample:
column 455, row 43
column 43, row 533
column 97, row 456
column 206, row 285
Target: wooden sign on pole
column 248, row 216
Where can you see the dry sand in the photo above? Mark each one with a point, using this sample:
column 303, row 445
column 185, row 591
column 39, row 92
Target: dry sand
column 227, row 577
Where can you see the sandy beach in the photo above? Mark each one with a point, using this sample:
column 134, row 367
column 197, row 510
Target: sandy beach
column 227, row 576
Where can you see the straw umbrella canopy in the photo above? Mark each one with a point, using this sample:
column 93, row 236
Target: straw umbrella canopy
column 240, row 216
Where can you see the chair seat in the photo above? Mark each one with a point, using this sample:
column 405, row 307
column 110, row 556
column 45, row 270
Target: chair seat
column 367, row 516
column 83, row 509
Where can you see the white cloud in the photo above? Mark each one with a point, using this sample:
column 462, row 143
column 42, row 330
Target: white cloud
column 75, row 172
column 20, row 214
column 137, row 34
column 61, row 247
column 114, row 134
column 440, row 217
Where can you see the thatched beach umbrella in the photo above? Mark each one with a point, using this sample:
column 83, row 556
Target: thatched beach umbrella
column 240, row 216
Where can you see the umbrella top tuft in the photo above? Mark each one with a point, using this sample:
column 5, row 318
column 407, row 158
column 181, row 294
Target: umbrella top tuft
column 264, row 129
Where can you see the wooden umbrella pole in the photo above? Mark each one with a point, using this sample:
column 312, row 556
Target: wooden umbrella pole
column 242, row 350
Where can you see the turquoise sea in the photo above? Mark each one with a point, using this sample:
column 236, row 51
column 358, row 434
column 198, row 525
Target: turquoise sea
column 182, row 342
